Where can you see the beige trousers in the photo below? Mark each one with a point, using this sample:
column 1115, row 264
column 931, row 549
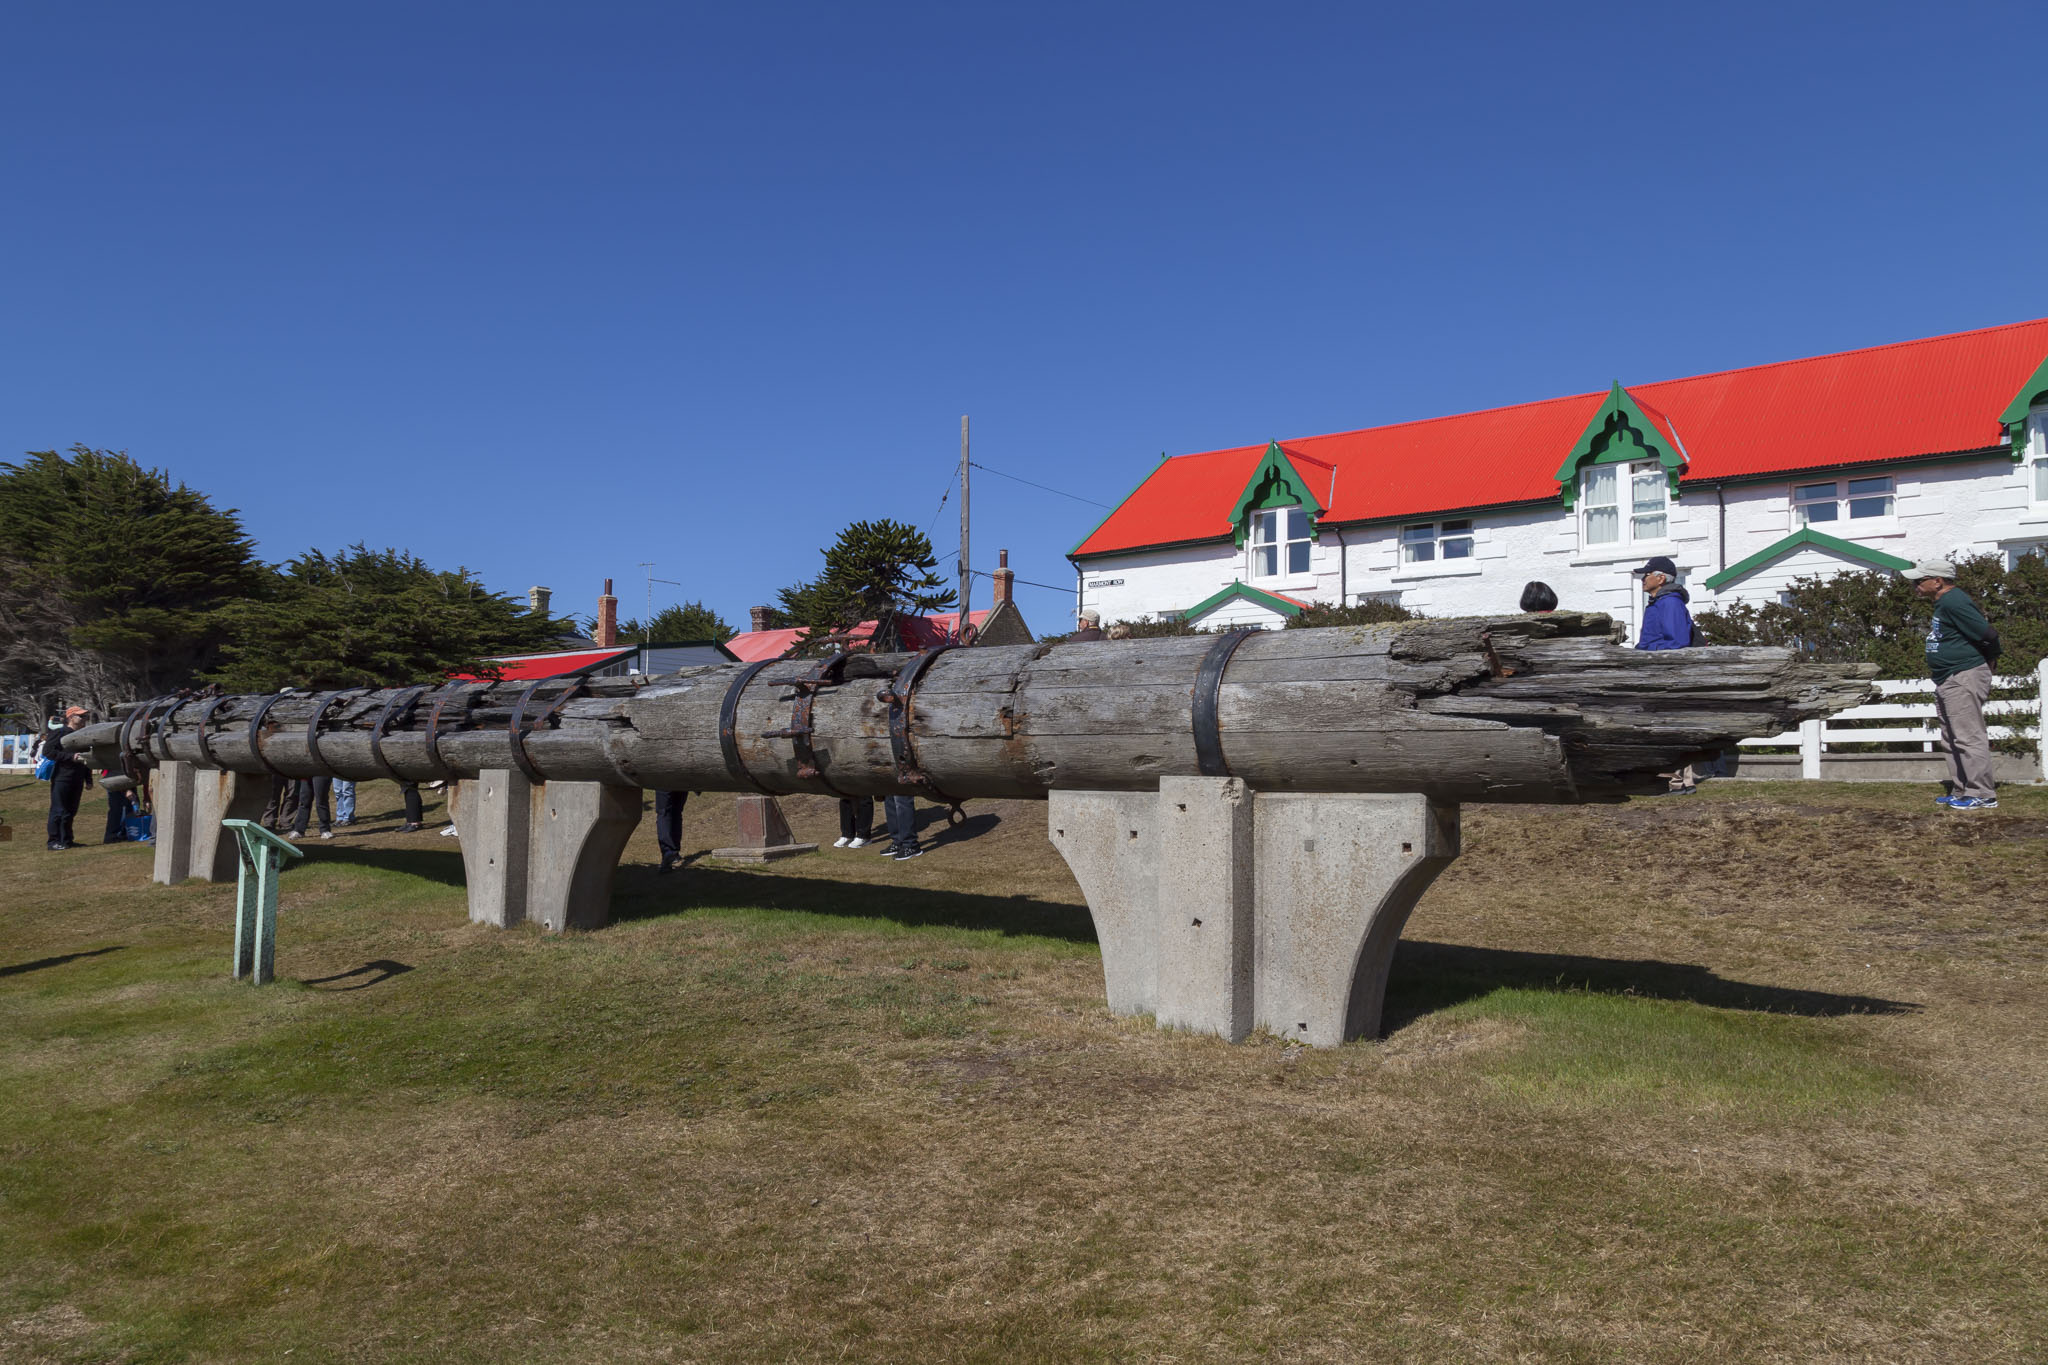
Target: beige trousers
column 1959, row 706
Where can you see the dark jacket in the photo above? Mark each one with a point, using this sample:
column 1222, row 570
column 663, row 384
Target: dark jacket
column 1666, row 622
column 1085, row 633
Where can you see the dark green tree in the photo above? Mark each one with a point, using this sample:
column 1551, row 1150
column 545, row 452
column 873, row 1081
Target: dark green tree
column 371, row 618
column 114, row 581
column 677, row 625
column 876, row 571
column 1358, row 614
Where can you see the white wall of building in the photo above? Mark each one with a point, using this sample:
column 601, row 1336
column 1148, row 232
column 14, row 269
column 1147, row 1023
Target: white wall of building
column 1940, row 510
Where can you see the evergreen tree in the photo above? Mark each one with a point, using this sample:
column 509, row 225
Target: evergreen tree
column 373, row 618
column 876, row 571
column 677, row 625
column 114, row 582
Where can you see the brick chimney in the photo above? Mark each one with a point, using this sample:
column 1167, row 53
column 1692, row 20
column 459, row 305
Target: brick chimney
column 537, row 599
column 608, row 618
column 1005, row 580
column 759, row 616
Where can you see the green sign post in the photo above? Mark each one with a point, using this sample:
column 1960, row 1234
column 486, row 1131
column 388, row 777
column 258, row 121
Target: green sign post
column 263, row 857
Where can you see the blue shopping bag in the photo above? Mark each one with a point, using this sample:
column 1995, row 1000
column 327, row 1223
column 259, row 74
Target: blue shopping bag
column 140, row 829
column 44, row 767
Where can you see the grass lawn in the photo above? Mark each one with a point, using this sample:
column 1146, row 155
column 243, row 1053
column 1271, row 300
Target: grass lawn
column 1759, row 1075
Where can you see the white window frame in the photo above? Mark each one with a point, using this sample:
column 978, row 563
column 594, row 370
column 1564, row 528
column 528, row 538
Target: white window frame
column 1630, row 513
column 2037, row 456
column 1844, row 499
column 1449, row 541
column 1274, row 521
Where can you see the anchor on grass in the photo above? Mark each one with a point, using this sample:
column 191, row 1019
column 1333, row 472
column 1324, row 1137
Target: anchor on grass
column 263, row 859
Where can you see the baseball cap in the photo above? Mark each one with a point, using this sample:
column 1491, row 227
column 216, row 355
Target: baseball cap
column 1657, row 564
column 1930, row 568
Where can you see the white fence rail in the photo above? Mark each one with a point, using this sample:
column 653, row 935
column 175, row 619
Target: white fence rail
column 2022, row 717
column 14, row 751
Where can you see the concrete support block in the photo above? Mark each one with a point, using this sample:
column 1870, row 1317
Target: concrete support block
column 496, row 818
column 1337, row 878
column 1108, row 841
column 172, row 803
column 579, row 829
column 1219, row 910
column 1205, row 906
column 219, row 796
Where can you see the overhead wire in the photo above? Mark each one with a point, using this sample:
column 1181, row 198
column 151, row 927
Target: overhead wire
column 1042, row 487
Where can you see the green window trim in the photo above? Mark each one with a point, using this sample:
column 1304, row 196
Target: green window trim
column 1619, row 432
column 2014, row 418
column 1257, row 596
column 1876, row 559
column 1275, row 483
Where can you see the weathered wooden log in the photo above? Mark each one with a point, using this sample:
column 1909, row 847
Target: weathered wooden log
column 1524, row 708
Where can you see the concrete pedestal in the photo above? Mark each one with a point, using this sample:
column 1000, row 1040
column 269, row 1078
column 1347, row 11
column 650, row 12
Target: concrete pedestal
column 764, row 833
column 173, row 803
column 543, row 851
column 1220, row 910
column 218, row 796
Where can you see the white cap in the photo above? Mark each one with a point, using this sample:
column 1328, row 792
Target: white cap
column 1931, row 568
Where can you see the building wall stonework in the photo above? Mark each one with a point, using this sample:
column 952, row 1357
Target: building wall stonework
column 1941, row 509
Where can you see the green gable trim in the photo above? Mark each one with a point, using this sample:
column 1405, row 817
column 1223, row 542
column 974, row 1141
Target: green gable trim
column 1876, row 559
column 1619, row 431
column 1275, row 483
column 1249, row 594
column 2014, row 418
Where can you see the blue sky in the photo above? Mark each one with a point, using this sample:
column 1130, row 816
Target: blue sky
column 550, row 290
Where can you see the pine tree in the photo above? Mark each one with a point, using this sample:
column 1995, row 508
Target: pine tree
column 876, row 571
column 677, row 625
column 373, row 618
column 114, row 582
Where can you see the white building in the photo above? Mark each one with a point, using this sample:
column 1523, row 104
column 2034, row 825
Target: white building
column 1747, row 480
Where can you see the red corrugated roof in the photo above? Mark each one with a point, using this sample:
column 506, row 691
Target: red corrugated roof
column 918, row 632
column 1926, row 397
column 529, row 667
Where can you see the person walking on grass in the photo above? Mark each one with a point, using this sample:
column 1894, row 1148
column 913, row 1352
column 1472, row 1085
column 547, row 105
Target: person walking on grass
column 344, row 801
column 668, row 828
column 69, row 777
column 1666, row 625
column 314, row 792
column 902, row 816
column 1961, row 647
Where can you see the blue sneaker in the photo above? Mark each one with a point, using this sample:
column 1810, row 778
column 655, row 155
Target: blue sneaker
column 1944, row 800
column 1973, row 803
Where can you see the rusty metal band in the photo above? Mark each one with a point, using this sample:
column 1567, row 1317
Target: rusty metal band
column 728, row 734
column 1208, row 700
column 517, row 730
column 826, row 674
column 131, row 763
column 393, row 706
column 900, row 695
column 320, row 708
column 205, row 715
column 433, row 747
column 159, row 732
column 256, row 732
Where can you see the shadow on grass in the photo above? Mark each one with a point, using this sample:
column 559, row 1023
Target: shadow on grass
column 1428, row 977
column 443, row 865
column 20, row 967
column 639, row 893
column 384, row 968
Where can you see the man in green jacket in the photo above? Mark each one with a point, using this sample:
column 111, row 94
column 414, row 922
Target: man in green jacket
column 1960, row 647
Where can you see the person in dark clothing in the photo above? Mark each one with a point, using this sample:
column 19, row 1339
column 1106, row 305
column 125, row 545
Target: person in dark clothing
column 284, row 804
column 68, row 781
column 120, row 805
column 1961, row 647
column 1666, row 625
column 314, row 792
column 901, row 812
column 1539, row 597
column 410, row 791
column 668, row 827
column 856, row 821
column 1091, row 627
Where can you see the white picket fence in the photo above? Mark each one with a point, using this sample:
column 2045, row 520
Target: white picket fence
column 14, row 751
column 1813, row 738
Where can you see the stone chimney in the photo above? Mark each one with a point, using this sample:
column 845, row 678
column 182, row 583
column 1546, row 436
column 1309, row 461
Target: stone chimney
column 537, row 599
column 608, row 618
column 759, row 616
column 1005, row 580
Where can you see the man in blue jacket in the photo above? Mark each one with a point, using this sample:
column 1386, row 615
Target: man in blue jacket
column 1667, row 624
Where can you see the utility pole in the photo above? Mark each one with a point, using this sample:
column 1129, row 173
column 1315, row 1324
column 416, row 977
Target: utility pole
column 966, row 582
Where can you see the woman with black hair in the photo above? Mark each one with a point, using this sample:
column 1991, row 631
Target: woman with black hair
column 1538, row 597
